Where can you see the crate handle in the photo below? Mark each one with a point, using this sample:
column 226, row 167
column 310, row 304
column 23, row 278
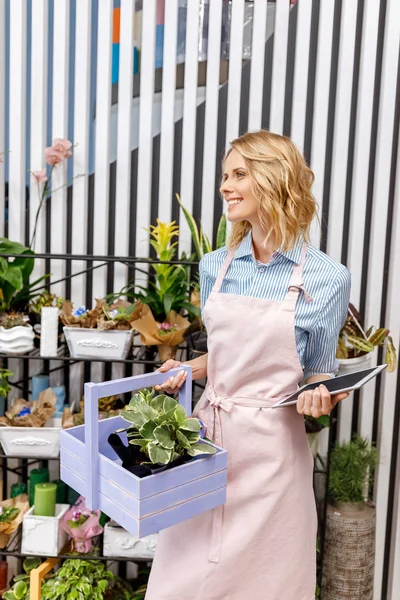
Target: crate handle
column 94, row 391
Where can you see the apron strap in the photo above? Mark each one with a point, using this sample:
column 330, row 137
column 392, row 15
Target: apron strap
column 296, row 284
column 223, row 270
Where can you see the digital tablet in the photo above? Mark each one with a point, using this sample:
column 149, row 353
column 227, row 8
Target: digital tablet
column 336, row 385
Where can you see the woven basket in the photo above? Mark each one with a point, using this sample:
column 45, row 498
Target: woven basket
column 349, row 554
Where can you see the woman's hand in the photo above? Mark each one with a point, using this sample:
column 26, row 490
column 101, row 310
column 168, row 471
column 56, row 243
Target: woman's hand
column 172, row 384
column 318, row 402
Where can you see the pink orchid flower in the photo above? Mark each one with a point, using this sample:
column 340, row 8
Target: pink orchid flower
column 58, row 151
column 63, row 145
column 40, row 176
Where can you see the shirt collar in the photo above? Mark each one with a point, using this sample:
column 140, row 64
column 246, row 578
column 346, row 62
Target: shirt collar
column 245, row 248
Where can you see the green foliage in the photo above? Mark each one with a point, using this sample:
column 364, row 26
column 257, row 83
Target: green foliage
column 15, row 289
column 4, row 386
column 45, row 299
column 352, row 469
column 8, row 514
column 171, row 286
column 20, row 589
column 354, row 341
column 78, row 580
column 162, row 429
column 202, row 244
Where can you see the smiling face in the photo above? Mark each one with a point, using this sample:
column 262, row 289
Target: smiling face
column 236, row 190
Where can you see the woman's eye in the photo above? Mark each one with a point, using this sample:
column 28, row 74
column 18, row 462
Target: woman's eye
column 240, row 174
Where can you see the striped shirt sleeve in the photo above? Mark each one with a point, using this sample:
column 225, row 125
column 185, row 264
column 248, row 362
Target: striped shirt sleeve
column 320, row 351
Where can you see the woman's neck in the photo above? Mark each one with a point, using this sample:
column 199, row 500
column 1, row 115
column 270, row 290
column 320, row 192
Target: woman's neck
column 262, row 252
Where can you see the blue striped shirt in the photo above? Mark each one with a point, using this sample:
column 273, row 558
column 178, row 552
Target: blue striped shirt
column 317, row 323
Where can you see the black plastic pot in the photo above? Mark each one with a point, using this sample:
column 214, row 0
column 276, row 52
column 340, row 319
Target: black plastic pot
column 131, row 456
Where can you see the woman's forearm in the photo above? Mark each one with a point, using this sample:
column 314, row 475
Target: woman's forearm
column 199, row 366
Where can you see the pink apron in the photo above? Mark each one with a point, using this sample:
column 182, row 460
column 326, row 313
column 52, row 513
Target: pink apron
column 261, row 545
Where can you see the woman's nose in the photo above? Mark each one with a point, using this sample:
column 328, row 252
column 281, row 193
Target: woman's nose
column 226, row 187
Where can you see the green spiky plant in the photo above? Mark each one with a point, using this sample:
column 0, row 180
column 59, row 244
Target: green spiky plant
column 201, row 243
column 160, row 427
column 13, row 320
column 354, row 341
column 352, row 470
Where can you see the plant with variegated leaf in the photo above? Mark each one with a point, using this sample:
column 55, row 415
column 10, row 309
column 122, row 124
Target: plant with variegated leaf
column 354, row 341
column 161, row 429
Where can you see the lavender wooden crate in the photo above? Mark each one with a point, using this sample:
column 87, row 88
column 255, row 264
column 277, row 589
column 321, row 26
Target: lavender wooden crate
column 146, row 505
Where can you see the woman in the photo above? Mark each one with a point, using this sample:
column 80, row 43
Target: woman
column 273, row 307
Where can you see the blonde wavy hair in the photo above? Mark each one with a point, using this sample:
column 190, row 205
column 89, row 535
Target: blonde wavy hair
column 281, row 182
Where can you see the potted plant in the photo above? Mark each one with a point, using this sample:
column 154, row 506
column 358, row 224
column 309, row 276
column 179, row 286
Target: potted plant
column 167, row 295
column 82, row 525
column 21, row 587
column 16, row 334
column 104, row 331
column 150, row 503
column 12, row 512
column 90, row 577
column 356, row 345
column 350, row 522
column 160, row 435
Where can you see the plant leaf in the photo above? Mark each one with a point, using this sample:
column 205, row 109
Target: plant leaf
column 191, row 425
column 147, row 411
column 163, row 437
column 221, row 233
column 147, row 430
column 183, row 440
column 169, row 404
column 193, row 228
column 136, row 418
column 157, row 454
column 201, row 448
column 180, row 414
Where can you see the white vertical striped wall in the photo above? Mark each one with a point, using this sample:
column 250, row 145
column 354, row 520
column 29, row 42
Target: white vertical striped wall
column 328, row 77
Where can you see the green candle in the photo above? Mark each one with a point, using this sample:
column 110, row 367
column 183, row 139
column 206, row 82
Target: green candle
column 18, row 488
column 45, row 499
column 37, row 476
column 61, row 496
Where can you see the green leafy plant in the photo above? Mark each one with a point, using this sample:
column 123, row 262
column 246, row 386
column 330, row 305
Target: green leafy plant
column 354, row 341
column 78, row 580
column 15, row 289
column 8, row 513
column 20, row 589
column 4, row 386
column 352, row 470
column 45, row 299
column 162, row 430
column 202, row 244
column 171, row 286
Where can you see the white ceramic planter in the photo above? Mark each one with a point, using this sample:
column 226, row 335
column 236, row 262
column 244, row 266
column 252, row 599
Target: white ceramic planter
column 40, row 442
column 119, row 542
column 17, row 340
column 95, row 343
column 351, row 365
column 43, row 536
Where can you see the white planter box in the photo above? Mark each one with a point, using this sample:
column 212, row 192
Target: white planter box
column 40, row 442
column 43, row 536
column 95, row 343
column 119, row 542
column 17, row 340
column 351, row 365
